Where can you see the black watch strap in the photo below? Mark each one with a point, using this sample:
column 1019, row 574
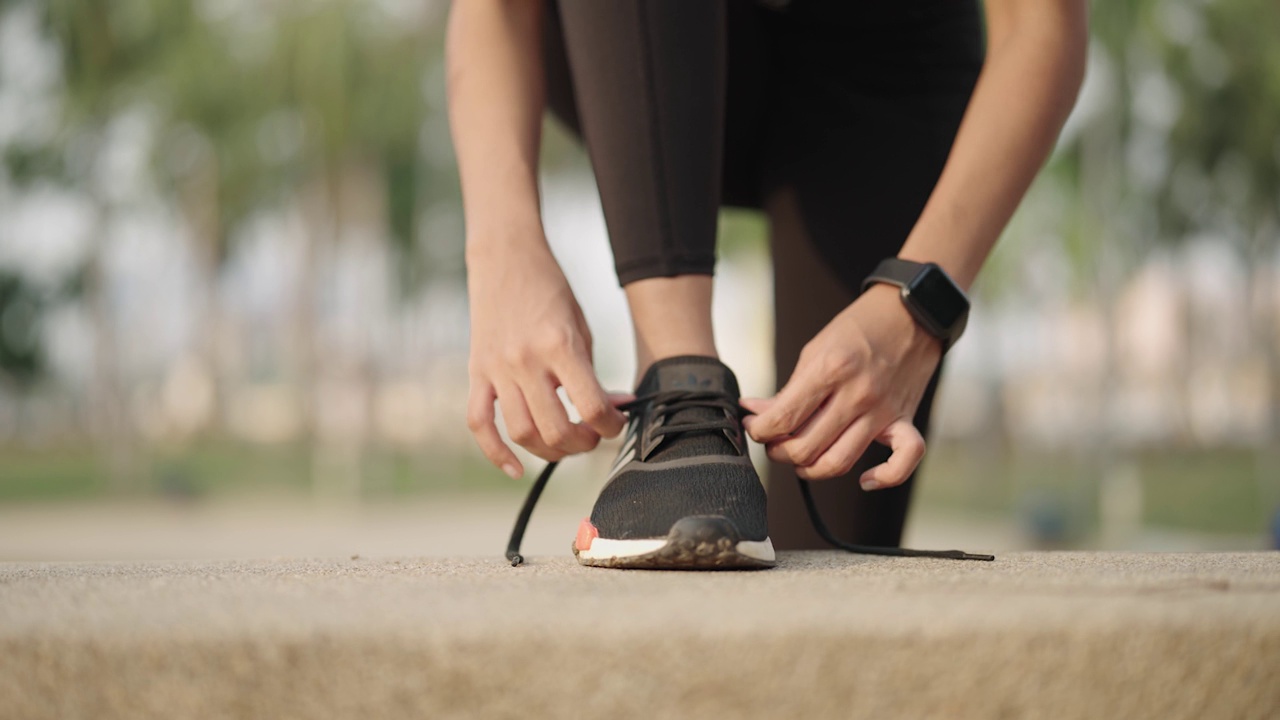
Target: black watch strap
column 929, row 294
column 894, row 271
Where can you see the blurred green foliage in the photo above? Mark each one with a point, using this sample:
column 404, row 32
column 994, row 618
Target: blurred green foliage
column 1186, row 488
column 1177, row 137
column 249, row 102
column 255, row 103
column 220, row 470
column 1210, row 491
column 1221, row 65
column 21, row 344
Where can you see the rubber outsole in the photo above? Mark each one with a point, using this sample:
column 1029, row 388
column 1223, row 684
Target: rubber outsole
column 699, row 542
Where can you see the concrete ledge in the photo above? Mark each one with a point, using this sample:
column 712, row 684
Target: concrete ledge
column 826, row 634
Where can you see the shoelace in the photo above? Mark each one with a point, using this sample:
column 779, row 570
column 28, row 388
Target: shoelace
column 667, row 403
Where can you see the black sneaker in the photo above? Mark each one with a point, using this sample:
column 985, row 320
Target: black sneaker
column 683, row 493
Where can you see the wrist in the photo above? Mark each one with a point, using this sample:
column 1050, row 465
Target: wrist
column 890, row 316
column 945, row 249
column 494, row 240
column 929, row 295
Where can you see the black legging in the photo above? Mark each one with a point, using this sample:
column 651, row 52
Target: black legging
column 835, row 118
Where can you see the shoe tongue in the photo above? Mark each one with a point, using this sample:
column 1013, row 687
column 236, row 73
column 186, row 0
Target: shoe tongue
column 689, row 372
column 694, row 373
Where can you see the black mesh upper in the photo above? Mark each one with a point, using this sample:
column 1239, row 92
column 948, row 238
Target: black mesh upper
column 646, row 503
column 645, row 499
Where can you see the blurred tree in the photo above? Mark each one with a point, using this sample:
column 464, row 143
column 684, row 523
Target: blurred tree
column 22, row 357
column 1223, row 176
column 1179, row 139
column 1186, row 135
column 21, row 350
column 219, row 148
column 1187, row 144
column 318, row 105
column 355, row 78
column 105, row 48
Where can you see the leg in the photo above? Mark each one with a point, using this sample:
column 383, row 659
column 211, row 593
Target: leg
column 857, row 149
column 672, row 317
column 648, row 84
column 807, row 295
column 648, row 77
column 649, row 80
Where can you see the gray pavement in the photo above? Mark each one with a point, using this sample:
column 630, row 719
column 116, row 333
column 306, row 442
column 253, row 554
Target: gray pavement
column 826, row 634
column 420, row 527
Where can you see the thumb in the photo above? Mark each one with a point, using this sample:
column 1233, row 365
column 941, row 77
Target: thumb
column 784, row 412
column 906, row 446
column 756, row 405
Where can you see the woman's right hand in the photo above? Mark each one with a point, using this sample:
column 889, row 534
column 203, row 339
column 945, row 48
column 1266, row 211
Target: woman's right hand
column 529, row 337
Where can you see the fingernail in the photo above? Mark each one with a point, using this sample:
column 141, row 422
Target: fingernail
column 870, row 485
column 512, row 469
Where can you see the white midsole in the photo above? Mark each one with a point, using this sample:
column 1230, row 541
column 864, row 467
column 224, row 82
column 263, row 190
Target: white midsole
column 604, row 548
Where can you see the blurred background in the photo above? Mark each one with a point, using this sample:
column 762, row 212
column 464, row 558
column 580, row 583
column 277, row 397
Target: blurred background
column 233, row 316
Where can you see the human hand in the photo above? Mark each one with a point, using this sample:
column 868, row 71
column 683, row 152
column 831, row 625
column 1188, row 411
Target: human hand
column 529, row 337
column 859, row 380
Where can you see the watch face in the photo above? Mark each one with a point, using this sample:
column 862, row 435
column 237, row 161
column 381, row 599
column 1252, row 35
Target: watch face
column 933, row 292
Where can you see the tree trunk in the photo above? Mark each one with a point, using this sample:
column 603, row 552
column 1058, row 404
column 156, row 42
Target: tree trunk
column 1098, row 452
column 1266, row 294
column 202, row 207
column 303, row 332
column 109, row 421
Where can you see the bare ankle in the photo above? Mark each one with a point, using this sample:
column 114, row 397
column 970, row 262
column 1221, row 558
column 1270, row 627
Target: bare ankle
column 672, row 317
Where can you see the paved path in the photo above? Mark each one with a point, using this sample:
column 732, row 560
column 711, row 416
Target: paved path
column 1053, row 635
column 423, row 527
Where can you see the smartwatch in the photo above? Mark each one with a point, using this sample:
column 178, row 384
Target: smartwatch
column 931, row 296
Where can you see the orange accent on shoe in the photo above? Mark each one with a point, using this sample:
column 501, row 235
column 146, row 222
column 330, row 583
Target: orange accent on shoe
column 586, row 533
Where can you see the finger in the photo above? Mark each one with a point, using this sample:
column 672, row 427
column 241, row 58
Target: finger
column 755, row 406
column 480, row 420
column 843, row 453
column 549, row 415
column 617, row 398
column 807, row 444
column 590, row 400
column 520, row 425
column 788, row 411
column 907, row 446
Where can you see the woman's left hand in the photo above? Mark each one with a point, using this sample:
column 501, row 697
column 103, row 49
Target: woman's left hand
column 859, row 380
